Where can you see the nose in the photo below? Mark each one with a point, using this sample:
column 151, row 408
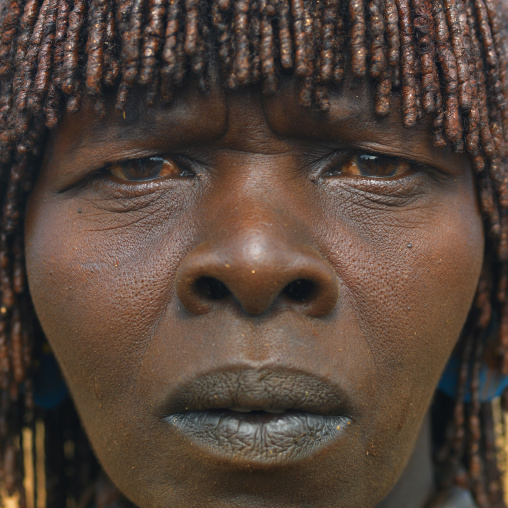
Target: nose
column 257, row 270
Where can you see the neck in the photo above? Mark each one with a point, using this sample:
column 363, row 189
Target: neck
column 416, row 486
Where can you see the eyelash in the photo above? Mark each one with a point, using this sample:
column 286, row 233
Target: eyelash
column 172, row 166
column 335, row 166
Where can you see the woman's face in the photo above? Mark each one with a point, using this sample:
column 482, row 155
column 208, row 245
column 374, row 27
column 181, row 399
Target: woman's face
column 252, row 302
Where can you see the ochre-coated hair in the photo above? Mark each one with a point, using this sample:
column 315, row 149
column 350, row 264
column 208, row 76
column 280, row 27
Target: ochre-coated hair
column 445, row 58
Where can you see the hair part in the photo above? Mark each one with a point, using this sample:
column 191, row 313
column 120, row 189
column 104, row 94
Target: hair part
column 446, row 58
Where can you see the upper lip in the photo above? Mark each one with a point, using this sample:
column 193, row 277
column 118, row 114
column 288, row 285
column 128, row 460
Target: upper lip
column 258, row 390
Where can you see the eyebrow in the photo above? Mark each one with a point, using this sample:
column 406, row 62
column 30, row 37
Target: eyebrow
column 139, row 123
column 105, row 132
column 134, row 124
column 151, row 126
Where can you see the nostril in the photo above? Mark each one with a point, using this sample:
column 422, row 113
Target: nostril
column 300, row 290
column 210, row 279
column 211, row 288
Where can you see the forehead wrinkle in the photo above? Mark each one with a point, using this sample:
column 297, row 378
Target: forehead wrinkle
column 251, row 137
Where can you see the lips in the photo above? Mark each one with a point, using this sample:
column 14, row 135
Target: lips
column 262, row 417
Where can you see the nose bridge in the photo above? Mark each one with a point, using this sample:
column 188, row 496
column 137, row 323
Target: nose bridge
column 256, row 234
column 256, row 254
column 257, row 251
column 253, row 227
column 252, row 218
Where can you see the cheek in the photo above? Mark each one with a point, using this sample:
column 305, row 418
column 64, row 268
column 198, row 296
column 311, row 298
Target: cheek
column 98, row 301
column 411, row 278
column 99, row 304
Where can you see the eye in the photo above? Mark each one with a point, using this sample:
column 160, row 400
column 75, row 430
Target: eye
column 144, row 170
column 374, row 166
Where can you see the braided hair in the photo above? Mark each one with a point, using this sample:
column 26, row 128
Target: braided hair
column 445, row 58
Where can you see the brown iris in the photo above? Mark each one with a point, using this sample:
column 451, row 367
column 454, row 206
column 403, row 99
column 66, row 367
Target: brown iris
column 376, row 166
column 142, row 170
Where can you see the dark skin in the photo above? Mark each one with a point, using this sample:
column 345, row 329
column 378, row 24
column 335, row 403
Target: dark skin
column 296, row 264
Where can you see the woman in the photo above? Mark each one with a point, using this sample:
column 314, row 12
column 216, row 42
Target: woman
column 255, row 233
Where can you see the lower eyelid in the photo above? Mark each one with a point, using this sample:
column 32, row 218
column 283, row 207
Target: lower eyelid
column 126, row 197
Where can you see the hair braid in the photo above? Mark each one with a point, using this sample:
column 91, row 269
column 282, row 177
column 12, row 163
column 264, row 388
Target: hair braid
column 62, row 23
column 393, row 37
column 320, row 92
column 300, row 40
column 255, row 39
column 45, row 63
column 494, row 485
column 425, row 35
column 111, row 65
column 169, row 53
column 286, row 39
column 408, row 61
column 9, row 31
column 153, row 37
column 452, row 125
column 377, row 29
column 486, row 28
column 95, row 48
column 339, row 47
column 71, row 56
column 266, row 50
column 358, row 49
column 132, row 43
column 243, row 56
column 473, row 120
column 28, row 69
column 459, row 50
column 476, row 465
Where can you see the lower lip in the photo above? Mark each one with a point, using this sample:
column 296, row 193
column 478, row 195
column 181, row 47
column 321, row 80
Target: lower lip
column 258, row 437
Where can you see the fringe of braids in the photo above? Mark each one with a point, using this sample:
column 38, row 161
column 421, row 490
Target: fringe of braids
column 447, row 59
